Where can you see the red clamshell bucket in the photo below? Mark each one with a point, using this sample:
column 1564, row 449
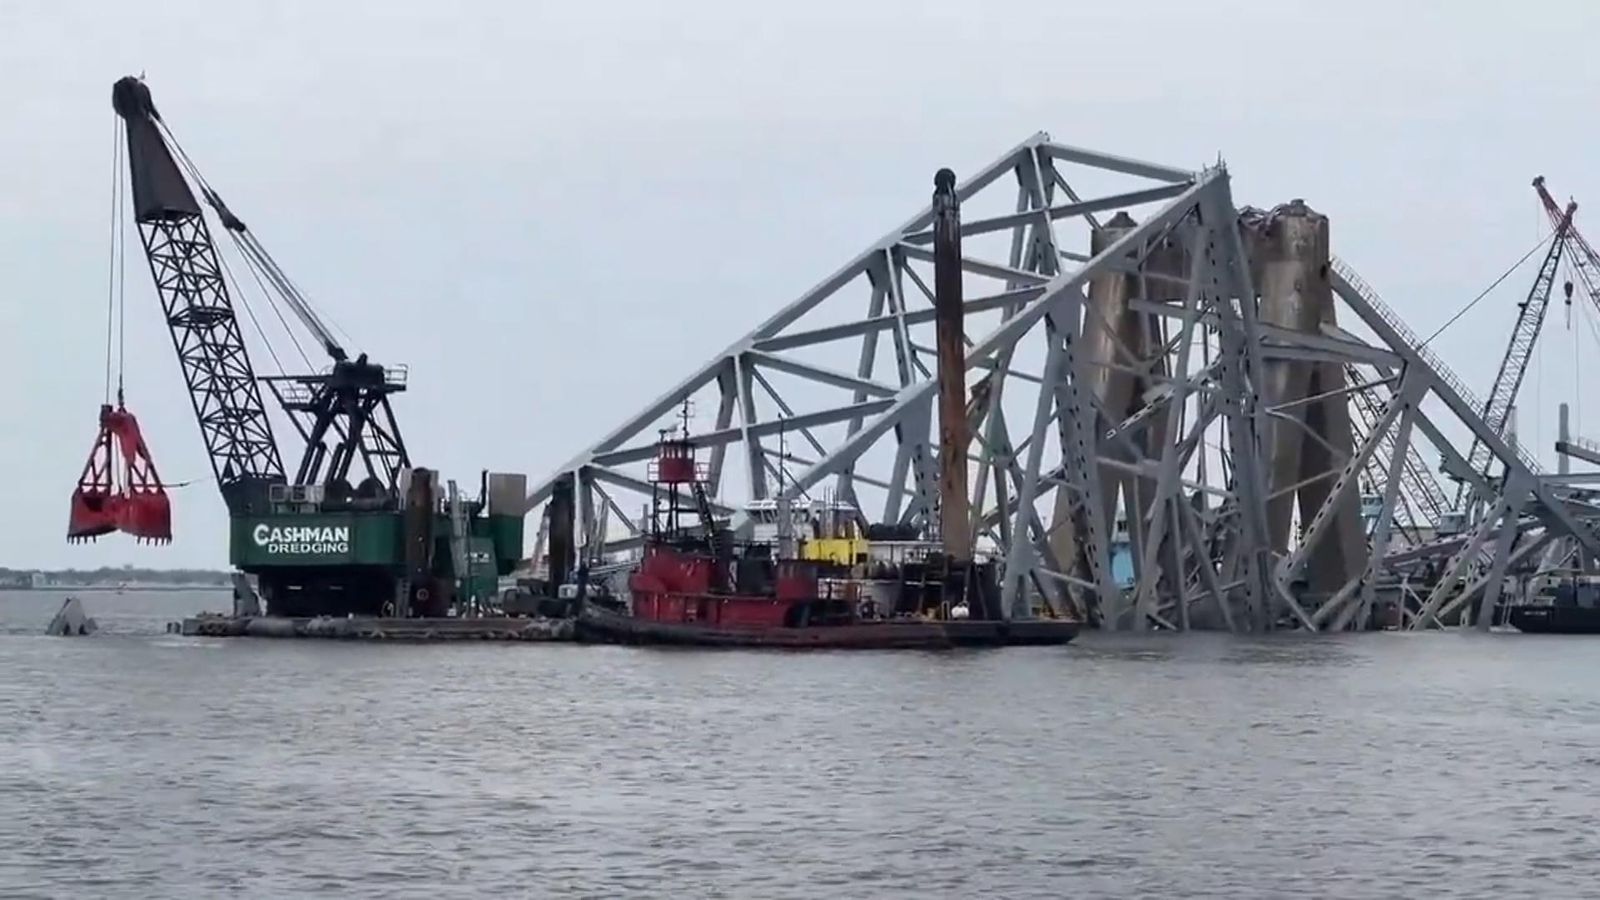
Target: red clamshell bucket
column 119, row 489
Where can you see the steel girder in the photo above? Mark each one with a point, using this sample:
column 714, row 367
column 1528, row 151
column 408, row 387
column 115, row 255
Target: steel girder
column 832, row 397
column 1492, row 545
column 853, row 420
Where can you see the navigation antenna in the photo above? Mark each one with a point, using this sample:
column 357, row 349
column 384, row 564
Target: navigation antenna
column 783, row 455
column 685, row 415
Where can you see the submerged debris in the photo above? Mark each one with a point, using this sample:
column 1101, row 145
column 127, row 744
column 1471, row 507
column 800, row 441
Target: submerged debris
column 72, row 621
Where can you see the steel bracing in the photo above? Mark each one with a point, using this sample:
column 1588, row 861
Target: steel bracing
column 1150, row 373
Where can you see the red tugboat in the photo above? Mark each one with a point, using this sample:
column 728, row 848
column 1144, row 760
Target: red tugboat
column 808, row 576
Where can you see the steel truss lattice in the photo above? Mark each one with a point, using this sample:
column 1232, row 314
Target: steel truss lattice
column 1138, row 377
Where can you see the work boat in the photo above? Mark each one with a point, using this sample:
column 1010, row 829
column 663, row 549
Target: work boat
column 1567, row 604
column 808, row 575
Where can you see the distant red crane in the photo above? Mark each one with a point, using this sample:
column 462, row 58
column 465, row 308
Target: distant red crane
column 1584, row 259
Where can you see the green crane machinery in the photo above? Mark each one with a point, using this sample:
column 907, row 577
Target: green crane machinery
column 354, row 527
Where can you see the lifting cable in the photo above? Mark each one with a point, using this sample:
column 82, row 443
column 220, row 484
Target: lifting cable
column 1587, row 313
column 1577, row 383
column 1536, row 360
column 208, row 194
column 1492, row 285
column 116, row 269
column 244, row 300
column 117, row 285
column 205, row 188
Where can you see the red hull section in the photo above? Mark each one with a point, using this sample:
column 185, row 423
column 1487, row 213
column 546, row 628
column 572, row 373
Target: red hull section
column 673, row 587
column 684, row 598
column 808, row 580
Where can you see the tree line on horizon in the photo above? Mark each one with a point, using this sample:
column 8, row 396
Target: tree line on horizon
column 115, row 575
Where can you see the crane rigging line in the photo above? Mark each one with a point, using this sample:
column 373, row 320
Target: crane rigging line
column 250, row 311
column 256, row 256
column 1492, row 285
column 111, row 263
column 251, row 263
column 116, row 271
column 255, row 273
column 122, row 285
column 193, row 172
column 1588, row 317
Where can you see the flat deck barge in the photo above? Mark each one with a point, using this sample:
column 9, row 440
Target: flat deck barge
column 600, row 626
column 597, row 627
column 374, row 628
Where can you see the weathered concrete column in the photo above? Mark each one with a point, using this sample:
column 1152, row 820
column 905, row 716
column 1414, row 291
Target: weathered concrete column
column 1344, row 551
column 1118, row 352
column 1290, row 257
column 1106, row 320
column 1285, row 250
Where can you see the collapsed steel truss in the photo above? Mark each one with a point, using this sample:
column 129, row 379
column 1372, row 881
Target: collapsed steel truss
column 1141, row 376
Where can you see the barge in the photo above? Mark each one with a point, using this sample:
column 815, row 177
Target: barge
column 599, row 625
column 1552, row 619
column 376, row 628
column 1565, row 604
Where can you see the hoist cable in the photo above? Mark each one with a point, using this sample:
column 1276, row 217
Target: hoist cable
column 1577, row 383
column 122, row 286
column 111, row 254
column 249, row 310
column 255, row 255
column 245, row 248
column 1588, row 316
column 199, row 180
column 1492, row 285
column 282, row 320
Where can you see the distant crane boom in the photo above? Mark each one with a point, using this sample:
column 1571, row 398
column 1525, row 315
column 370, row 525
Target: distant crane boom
column 1584, row 258
column 1514, row 364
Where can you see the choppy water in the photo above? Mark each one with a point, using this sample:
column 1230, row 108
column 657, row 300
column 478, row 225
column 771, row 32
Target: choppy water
column 137, row 764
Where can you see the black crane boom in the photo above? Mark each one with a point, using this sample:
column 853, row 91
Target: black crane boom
column 194, row 298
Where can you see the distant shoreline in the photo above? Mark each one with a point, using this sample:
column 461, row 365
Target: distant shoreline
column 109, row 578
column 116, row 589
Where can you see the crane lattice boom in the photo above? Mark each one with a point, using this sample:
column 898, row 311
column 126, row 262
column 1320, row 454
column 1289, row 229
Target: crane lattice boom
column 1583, row 257
column 188, row 278
column 1514, row 364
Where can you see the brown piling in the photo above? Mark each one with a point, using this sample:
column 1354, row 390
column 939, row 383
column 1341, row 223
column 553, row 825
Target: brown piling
column 954, row 507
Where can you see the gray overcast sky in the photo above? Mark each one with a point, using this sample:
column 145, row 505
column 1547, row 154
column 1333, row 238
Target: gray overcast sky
column 550, row 209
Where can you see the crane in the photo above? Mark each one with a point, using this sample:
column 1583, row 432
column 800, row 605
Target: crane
column 1514, row 364
column 317, row 544
column 342, row 414
column 1584, row 259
